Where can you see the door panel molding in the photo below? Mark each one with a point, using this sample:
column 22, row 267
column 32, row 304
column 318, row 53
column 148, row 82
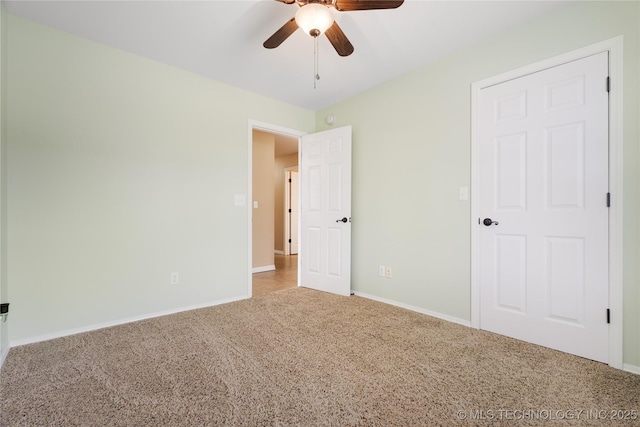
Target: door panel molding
column 614, row 47
column 325, row 205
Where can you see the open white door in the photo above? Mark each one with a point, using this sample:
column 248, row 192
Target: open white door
column 325, row 211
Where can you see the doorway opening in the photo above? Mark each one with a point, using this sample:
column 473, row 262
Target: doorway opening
column 273, row 208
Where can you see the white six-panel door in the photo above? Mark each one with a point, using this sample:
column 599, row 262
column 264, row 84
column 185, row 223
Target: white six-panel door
column 543, row 183
column 294, row 216
column 325, row 201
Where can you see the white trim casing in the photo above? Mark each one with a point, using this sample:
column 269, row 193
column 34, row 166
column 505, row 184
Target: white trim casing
column 614, row 47
column 103, row 325
column 263, row 268
column 4, row 355
column 631, row 368
column 416, row 309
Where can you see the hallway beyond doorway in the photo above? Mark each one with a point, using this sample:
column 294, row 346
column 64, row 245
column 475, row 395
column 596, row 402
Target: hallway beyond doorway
column 283, row 277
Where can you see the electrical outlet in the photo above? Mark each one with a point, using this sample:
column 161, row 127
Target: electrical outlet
column 389, row 273
column 175, row 278
column 381, row 270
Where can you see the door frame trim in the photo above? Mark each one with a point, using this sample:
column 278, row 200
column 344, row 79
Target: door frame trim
column 614, row 47
column 270, row 128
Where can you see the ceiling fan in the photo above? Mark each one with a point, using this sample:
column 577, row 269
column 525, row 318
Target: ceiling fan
column 314, row 18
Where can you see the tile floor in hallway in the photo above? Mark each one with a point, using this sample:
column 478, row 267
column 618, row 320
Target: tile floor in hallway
column 284, row 276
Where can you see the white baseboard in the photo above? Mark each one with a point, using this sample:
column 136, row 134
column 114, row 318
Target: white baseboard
column 3, row 355
column 416, row 309
column 97, row 326
column 263, row 268
column 278, row 252
column 625, row 367
column 631, row 368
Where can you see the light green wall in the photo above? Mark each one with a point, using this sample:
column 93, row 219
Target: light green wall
column 4, row 293
column 411, row 152
column 121, row 171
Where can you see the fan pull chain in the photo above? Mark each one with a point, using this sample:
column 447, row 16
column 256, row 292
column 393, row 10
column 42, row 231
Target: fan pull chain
column 316, row 76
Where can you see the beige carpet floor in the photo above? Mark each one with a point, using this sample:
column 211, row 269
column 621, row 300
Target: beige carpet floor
column 304, row 358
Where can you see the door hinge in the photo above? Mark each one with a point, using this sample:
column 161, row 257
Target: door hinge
column 290, row 180
column 608, row 84
column 289, row 240
column 608, row 316
column 608, row 200
column 289, row 210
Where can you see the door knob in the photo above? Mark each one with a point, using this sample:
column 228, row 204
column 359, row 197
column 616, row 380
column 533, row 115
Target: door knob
column 345, row 220
column 489, row 221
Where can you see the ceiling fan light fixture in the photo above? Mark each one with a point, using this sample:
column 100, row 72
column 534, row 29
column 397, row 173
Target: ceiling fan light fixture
column 314, row 19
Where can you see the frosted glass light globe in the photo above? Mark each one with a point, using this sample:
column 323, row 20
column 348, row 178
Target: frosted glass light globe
column 314, row 19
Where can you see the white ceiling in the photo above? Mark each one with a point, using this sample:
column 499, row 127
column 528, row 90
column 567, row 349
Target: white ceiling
column 223, row 39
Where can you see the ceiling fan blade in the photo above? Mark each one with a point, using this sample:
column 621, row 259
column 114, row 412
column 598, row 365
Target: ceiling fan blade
column 281, row 35
column 348, row 5
column 339, row 41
